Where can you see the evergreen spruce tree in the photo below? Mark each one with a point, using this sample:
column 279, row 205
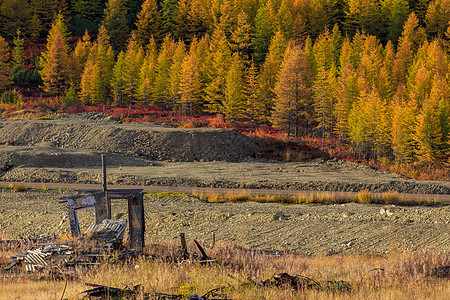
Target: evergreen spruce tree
column 18, row 62
column 115, row 22
column 149, row 23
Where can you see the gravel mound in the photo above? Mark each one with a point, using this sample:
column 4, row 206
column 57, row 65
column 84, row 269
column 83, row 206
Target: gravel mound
column 147, row 140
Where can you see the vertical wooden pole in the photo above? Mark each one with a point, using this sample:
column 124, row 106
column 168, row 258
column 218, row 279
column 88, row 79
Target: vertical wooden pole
column 105, row 189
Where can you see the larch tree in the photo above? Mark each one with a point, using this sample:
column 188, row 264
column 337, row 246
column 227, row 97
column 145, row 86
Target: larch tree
column 218, row 64
column 427, row 135
column 326, row 49
column 134, row 58
column 96, row 78
column 413, row 32
column 55, row 60
column 149, row 23
column 196, row 20
column 125, row 79
column 175, row 72
column 190, row 84
column 348, row 93
column 147, row 76
column 437, row 18
column 365, row 15
column 268, row 75
column 180, row 26
column 168, row 8
column 164, row 61
column 254, row 106
column 5, row 67
column 117, row 79
column 241, row 38
column 293, row 90
column 403, row 122
column 285, row 19
column 234, row 101
column 79, row 58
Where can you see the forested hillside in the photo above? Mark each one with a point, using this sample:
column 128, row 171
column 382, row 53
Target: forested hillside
column 371, row 74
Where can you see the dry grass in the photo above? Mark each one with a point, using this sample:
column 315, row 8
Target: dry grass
column 363, row 197
column 397, row 276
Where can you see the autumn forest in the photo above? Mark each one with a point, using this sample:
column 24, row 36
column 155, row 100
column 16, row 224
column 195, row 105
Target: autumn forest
column 372, row 75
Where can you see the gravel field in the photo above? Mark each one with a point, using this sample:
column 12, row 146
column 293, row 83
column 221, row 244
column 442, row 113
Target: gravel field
column 68, row 150
column 306, row 229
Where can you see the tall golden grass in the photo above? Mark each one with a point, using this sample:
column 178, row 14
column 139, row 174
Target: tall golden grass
column 393, row 276
column 363, row 197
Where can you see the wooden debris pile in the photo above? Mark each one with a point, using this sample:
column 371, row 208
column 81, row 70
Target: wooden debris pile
column 90, row 249
column 99, row 292
column 298, row 282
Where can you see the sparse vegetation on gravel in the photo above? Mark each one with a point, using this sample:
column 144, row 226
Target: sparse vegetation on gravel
column 395, row 276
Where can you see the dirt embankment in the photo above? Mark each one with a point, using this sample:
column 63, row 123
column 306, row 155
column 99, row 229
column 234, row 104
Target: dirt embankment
column 149, row 141
column 68, row 150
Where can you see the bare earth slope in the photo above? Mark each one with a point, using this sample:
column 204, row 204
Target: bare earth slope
column 149, row 140
column 68, row 150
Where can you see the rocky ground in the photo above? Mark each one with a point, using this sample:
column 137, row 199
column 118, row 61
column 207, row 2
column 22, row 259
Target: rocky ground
column 306, row 229
column 67, row 150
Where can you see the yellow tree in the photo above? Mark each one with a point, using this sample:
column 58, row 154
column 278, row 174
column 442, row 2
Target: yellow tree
column 403, row 121
column 233, row 104
column 78, row 59
column 96, row 78
column 147, row 76
column 55, row 60
column 218, row 65
column 175, row 71
column 190, row 84
column 134, row 58
column 268, row 75
column 240, row 37
column 4, row 64
column 293, row 90
column 254, row 106
column 161, row 91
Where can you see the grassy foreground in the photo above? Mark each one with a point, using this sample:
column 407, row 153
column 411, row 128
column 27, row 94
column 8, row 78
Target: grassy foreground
column 393, row 276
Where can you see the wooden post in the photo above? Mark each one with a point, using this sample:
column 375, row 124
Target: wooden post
column 136, row 221
column 214, row 240
column 183, row 242
column 105, row 189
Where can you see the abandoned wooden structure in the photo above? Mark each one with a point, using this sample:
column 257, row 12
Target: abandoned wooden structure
column 100, row 200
